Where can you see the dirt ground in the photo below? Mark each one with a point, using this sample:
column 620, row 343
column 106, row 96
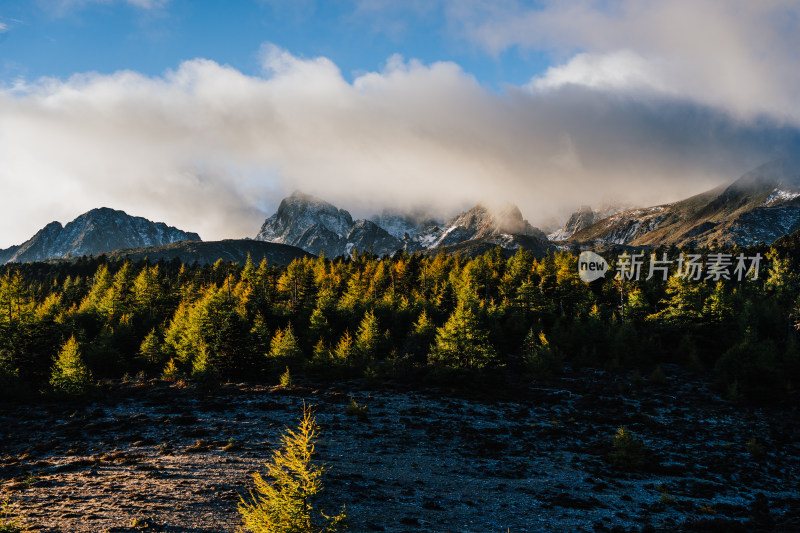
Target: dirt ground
column 156, row 456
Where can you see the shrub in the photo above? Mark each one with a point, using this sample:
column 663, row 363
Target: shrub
column 358, row 411
column 284, row 503
column 171, row 372
column 286, row 379
column 541, row 360
column 754, row 448
column 9, row 524
column 11, row 386
column 665, row 497
column 657, row 376
column 628, row 452
column 753, row 365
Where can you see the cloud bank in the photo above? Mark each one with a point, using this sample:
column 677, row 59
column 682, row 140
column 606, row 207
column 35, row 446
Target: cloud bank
column 210, row 149
column 735, row 55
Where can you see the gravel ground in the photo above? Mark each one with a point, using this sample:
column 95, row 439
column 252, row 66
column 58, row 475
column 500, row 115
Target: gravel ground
column 165, row 457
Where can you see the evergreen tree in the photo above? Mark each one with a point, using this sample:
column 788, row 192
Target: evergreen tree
column 150, row 348
column 344, row 352
column 284, row 502
column 284, row 345
column 423, row 333
column 539, row 357
column 318, row 327
column 148, row 294
column 462, row 343
column 69, row 374
column 368, row 338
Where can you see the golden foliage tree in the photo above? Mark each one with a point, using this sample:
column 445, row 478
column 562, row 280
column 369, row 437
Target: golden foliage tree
column 70, row 374
column 283, row 502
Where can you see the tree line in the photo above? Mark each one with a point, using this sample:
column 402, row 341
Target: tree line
column 64, row 325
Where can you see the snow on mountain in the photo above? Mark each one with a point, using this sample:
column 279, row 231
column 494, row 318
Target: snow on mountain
column 779, row 195
column 299, row 212
column 366, row 235
column 475, row 223
column 317, row 226
column 584, row 217
column 398, row 224
column 760, row 206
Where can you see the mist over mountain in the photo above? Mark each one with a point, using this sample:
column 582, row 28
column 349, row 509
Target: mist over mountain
column 318, row 227
column 584, row 217
column 761, row 206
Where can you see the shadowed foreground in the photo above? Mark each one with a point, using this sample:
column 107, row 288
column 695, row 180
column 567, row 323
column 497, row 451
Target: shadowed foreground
column 159, row 457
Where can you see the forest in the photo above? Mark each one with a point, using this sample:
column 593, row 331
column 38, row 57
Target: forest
column 480, row 322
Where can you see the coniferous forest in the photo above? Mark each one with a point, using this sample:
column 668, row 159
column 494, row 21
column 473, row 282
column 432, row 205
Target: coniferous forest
column 461, row 393
column 428, row 320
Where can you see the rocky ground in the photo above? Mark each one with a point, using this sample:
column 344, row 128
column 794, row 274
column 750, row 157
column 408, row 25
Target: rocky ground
column 166, row 457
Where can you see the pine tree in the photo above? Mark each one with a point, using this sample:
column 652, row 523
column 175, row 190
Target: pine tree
column 539, row 358
column 284, row 345
column 423, row 332
column 284, row 502
column 70, row 374
column 150, row 348
column 318, row 325
column 147, row 291
column 368, row 338
column 344, row 352
column 462, row 343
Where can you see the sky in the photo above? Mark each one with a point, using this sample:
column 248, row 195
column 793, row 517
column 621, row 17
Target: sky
column 204, row 114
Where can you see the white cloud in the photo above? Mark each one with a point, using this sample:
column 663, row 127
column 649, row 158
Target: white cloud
column 623, row 70
column 210, row 149
column 737, row 55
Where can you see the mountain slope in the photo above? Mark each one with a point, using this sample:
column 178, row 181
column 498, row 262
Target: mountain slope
column 762, row 205
column 507, row 242
column 584, row 217
column 476, row 223
column 97, row 231
column 366, row 235
column 400, row 224
column 206, row 253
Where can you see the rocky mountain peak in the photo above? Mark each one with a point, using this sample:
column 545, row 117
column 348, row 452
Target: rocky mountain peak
column 582, row 218
column 398, row 224
column 484, row 221
column 317, row 226
column 300, row 211
column 94, row 232
column 366, row 235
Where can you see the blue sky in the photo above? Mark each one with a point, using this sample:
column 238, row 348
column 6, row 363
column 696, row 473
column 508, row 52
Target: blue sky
column 204, row 114
column 52, row 38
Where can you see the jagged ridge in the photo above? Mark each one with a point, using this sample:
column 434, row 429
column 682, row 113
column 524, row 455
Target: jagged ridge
column 97, row 231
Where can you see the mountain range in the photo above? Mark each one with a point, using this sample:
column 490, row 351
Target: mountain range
column 321, row 228
column 761, row 206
